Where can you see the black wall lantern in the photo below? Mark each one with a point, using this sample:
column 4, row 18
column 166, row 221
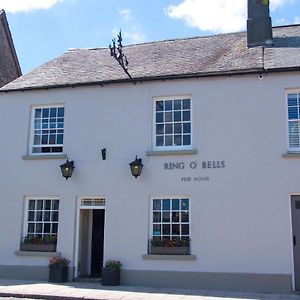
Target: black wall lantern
column 67, row 169
column 136, row 167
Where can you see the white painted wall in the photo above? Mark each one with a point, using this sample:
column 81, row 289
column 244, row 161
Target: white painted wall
column 240, row 217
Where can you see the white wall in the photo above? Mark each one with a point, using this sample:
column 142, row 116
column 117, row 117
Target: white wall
column 240, row 217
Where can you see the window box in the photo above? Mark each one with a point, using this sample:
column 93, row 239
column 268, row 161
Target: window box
column 38, row 247
column 169, row 250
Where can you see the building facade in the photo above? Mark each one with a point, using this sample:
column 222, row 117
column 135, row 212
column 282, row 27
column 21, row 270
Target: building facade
column 217, row 130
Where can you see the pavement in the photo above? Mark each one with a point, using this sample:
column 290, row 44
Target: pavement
column 94, row 290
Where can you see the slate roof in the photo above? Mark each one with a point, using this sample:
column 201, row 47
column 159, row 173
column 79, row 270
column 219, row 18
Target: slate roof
column 9, row 64
column 181, row 58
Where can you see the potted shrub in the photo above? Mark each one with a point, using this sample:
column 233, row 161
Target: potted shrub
column 176, row 246
column 111, row 272
column 58, row 269
column 46, row 243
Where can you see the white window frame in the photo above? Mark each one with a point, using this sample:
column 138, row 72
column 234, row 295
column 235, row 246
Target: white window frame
column 31, row 139
column 173, row 147
column 26, row 211
column 289, row 92
column 179, row 223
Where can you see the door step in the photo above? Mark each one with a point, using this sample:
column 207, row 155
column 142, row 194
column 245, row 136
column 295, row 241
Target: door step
column 88, row 279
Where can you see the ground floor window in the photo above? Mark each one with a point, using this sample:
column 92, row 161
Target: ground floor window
column 170, row 223
column 41, row 220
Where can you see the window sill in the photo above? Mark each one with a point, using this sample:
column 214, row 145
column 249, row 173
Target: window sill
column 169, row 257
column 291, row 155
column 46, row 156
column 35, row 253
column 172, row 152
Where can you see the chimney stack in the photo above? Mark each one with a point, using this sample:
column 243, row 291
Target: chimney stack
column 259, row 24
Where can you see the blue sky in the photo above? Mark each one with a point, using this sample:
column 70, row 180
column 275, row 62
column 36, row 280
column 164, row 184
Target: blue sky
column 45, row 29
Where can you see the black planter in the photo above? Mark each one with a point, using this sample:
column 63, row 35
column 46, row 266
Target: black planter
column 58, row 274
column 110, row 277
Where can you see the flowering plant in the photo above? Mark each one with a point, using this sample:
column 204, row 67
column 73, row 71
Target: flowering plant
column 112, row 264
column 169, row 243
column 38, row 240
column 58, row 261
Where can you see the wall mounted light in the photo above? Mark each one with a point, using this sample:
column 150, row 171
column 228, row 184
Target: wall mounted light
column 67, row 169
column 136, row 167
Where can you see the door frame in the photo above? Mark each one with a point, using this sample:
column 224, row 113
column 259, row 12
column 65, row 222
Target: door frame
column 80, row 206
column 291, row 240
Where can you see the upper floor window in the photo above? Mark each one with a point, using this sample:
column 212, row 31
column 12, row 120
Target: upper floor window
column 172, row 123
column 47, row 129
column 294, row 121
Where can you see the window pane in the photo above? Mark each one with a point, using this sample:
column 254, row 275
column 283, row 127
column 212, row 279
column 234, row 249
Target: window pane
column 30, row 228
column 54, row 228
column 159, row 106
column 39, row 228
column 55, row 204
column 168, row 105
column 176, row 229
column 156, row 230
column 31, row 216
column 159, row 140
column 166, row 204
column 177, row 105
column 61, row 111
column 178, row 140
column 160, row 129
column 46, row 216
column 159, row 117
column 185, row 217
column 186, row 103
column 292, row 100
column 54, row 216
column 156, row 204
column 47, row 204
column 38, row 113
column 31, row 205
column 177, row 116
column 185, row 229
column 39, row 216
column 184, row 204
column 175, row 204
column 169, row 128
column 156, row 217
column 175, row 217
column 186, row 116
column 47, row 228
column 177, row 128
column 186, row 140
column 53, row 112
column 168, row 117
column 293, row 113
column 169, row 140
column 39, row 205
column 166, row 217
column 166, row 229
column 186, row 127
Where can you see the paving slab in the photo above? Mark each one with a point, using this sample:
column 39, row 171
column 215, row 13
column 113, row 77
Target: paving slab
column 93, row 291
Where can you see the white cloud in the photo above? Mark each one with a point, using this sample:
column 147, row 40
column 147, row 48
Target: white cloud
column 215, row 16
column 131, row 30
column 15, row 6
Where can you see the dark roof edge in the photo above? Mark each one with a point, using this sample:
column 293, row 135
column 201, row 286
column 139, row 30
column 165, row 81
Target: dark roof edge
column 10, row 42
column 154, row 78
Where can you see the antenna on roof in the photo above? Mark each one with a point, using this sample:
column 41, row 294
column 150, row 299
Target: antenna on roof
column 117, row 53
